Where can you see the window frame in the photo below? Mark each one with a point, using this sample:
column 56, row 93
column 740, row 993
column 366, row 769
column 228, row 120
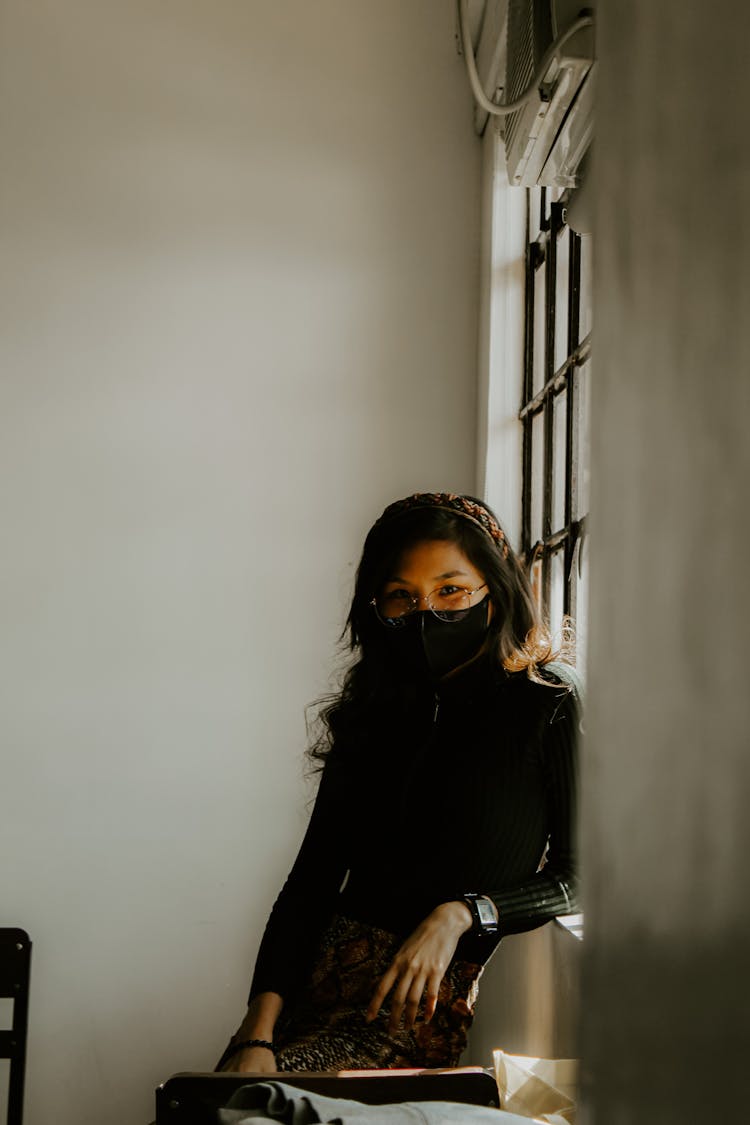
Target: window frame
column 561, row 388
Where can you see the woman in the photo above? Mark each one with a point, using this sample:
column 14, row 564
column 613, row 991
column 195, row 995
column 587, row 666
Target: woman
column 448, row 770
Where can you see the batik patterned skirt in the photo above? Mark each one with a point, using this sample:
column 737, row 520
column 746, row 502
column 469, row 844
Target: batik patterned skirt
column 325, row 1028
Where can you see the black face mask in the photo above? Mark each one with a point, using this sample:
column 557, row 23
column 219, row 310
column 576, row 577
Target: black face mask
column 427, row 646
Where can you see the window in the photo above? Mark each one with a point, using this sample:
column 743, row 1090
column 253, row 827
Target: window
column 555, row 411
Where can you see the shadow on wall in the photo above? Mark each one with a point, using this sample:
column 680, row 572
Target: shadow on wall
column 529, row 998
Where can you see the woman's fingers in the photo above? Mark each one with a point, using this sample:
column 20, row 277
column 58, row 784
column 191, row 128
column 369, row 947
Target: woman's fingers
column 385, row 985
column 411, row 1005
column 407, row 995
column 431, row 996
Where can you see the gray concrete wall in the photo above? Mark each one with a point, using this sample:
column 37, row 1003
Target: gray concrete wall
column 667, row 768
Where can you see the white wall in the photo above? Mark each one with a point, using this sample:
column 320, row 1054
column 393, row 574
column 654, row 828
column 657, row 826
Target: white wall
column 667, row 773
column 238, row 291
column 501, row 337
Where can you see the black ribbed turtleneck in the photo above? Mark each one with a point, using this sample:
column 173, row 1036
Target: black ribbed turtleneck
column 463, row 793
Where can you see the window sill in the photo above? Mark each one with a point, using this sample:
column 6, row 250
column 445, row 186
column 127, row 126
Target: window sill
column 573, row 923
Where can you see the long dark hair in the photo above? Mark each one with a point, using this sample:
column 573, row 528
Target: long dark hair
column 517, row 637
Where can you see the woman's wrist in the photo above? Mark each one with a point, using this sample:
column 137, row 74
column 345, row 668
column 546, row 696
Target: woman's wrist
column 260, row 1018
column 456, row 914
column 250, row 1030
column 246, row 1044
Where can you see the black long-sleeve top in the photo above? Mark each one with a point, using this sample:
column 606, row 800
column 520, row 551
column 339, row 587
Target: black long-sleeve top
column 462, row 793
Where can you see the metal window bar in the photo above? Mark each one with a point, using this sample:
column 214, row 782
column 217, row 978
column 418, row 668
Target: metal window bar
column 560, row 390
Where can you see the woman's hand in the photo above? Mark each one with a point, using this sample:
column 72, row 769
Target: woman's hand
column 257, row 1059
column 420, row 965
column 259, row 1022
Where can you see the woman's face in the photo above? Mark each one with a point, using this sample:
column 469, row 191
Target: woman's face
column 430, row 573
column 434, row 575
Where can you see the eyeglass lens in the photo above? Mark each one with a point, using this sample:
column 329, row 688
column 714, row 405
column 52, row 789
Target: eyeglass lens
column 450, row 604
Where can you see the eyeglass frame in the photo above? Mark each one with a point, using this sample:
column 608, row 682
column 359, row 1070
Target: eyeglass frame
column 396, row 622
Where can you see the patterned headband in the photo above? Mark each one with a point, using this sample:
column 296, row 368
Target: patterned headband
column 448, row 501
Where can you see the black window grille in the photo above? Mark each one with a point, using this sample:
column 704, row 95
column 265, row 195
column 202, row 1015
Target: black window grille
column 554, row 410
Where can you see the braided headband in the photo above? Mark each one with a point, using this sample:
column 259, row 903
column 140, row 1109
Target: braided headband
column 450, row 502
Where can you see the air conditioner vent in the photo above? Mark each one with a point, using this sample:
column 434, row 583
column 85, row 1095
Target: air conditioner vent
column 555, row 113
column 529, row 34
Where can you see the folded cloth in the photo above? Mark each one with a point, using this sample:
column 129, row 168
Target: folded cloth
column 275, row 1101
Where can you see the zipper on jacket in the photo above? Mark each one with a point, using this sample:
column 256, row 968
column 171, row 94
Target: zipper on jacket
column 437, row 708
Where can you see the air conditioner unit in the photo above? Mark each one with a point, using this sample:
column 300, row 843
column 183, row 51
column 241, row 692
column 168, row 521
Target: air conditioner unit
column 547, row 137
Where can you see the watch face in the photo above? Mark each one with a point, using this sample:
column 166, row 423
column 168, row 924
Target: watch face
column 485, row 912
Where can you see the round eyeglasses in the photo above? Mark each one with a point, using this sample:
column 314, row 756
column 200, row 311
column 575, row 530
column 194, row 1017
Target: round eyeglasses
column 447, row 603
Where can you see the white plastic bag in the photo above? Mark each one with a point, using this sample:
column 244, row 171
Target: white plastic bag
column 543, row 1089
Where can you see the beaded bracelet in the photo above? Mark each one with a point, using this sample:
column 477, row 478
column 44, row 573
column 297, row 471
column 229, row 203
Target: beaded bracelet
column 235, row 1047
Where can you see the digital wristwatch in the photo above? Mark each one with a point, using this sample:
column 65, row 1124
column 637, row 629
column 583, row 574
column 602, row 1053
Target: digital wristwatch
column 483, row 918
